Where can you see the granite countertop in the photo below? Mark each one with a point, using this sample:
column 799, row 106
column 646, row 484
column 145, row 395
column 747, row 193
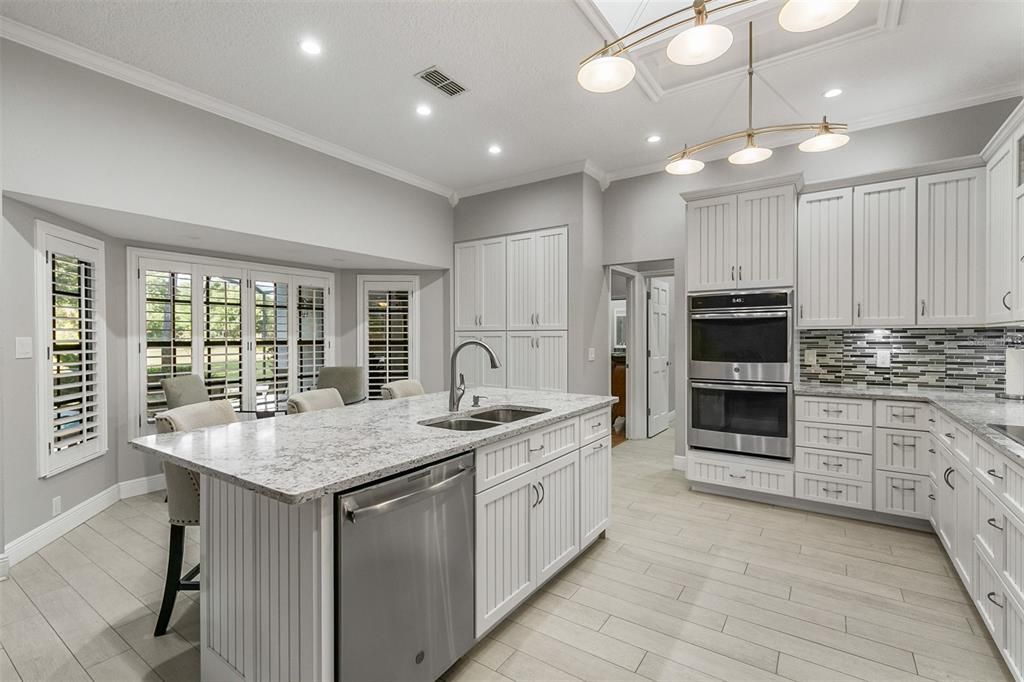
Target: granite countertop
column 301, row 457
column 974, row 409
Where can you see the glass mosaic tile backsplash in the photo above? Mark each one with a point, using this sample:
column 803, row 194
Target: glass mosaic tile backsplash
column 955, row 359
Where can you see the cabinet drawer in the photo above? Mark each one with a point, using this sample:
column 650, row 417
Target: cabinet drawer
column 989, row 596
column 902, row 450
column 902, row 494
column 555, row 440
column 596, row 425
column 954, row 436
column 989, row 522
column 902, row 415
column 503, row 460
column 739, row 472
column 834, row 410
column 989, row 465
column 842, row 491
column 833, row 463
column 834, row 437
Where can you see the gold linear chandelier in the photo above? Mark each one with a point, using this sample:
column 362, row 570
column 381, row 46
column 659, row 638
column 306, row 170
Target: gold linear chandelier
column 826, row 135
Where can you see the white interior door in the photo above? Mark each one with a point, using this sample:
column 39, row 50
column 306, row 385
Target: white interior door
column 659, row 319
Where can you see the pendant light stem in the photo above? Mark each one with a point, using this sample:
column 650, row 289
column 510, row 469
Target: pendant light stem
column 750, row 75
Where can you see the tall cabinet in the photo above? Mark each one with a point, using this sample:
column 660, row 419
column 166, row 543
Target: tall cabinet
column 824, row 264
column 1004, row 191
column 742, row 240
column 525, row 319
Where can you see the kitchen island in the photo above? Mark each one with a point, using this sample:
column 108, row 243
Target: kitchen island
column 268, row 513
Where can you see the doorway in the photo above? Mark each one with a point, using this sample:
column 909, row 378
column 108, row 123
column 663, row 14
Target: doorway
column 660, row 378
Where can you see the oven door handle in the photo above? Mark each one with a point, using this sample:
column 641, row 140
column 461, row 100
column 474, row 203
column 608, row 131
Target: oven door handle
column 739, row 315
column 745, row 388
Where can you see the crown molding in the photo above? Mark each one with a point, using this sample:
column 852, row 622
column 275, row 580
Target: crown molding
column 918, row 170
column 586, row 166
column 94, row 61
column 795, row 180
column 1005, row 131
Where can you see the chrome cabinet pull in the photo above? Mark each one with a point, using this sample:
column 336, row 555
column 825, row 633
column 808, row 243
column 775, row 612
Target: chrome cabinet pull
column 858, row 310
column 538, row 318
column 931, row 420
column 734, row 273
column 831, row 438
column 922, row 307
column 904, row 488
column 993, row 474
column 930, row 496
column 741, row 273
column 931, row 450
column 945, row 477
column 738, row 477
column 801, row 311
column 991, row 597
column 828, row 491
column 949, row 436
column 992, row 522
column 543, row 492
column 839, row 412
column 1005, row 296
column 830, row 465
column 536, row 495
column 537, row 449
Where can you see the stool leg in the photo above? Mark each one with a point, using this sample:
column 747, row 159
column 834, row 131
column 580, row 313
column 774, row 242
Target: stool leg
column 175, row 556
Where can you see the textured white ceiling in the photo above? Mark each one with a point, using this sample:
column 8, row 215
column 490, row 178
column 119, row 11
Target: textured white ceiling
column 518, row 60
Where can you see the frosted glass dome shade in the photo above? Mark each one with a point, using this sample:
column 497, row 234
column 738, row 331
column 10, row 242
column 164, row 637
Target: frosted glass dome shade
column 799, row 16
column 699, row 44
column 606, row 74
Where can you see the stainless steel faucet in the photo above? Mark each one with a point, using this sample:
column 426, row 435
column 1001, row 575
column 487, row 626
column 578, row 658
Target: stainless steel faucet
column 458, row 389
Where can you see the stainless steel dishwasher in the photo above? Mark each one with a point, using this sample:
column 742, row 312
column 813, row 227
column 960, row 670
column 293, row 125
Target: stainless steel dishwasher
column 404, row 580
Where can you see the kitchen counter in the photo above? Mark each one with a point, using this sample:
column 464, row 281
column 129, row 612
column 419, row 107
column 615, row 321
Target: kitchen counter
column 302, row 457
column 975, row 410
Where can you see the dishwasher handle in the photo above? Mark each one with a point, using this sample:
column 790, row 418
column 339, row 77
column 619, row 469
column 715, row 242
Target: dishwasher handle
column 353, row 513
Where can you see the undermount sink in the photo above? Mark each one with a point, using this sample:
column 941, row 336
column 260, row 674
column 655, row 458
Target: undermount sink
column 505, row 415
column 487, row 419
column 463, row 424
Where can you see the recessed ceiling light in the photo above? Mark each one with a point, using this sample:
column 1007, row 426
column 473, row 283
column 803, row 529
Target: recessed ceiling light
column 494, row 149
column 310, row 46
column 834, row 92
column 654, row 138
column 423, row 110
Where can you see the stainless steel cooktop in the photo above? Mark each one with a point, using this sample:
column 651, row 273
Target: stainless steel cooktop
column 1013, row 431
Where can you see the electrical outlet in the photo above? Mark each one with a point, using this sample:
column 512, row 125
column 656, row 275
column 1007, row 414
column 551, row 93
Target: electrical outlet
column 56, row 505
column 810, row 357
column 883, row 358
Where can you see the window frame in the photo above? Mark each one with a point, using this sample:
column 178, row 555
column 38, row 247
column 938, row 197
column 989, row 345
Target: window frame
column 412, row 282
column 140, row 259
column 49, row 463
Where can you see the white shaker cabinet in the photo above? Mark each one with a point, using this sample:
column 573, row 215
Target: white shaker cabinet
column 884, row 254
column 538, row 360
column 1001, row 294
column 476, row 366
column 595, row 487
column 950, row 246
column 824, row 261
column 741, row 241
column 765, row 227
column 538, row 280
column 556, row 527
column 479, row 283
column 505, row 563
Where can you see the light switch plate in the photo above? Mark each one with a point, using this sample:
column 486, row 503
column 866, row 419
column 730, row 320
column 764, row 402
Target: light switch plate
column 591, row 354
column 22, row 347
column 883, row 358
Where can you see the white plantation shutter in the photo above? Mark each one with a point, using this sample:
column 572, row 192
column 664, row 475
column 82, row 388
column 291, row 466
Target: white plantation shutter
column 73, row 367
column 388, row 330
column 168, row 330
column 271, row 347
column 222, row 337
column 312, row 348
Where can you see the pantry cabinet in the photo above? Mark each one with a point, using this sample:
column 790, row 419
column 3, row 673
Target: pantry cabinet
column 884, row 254
column 538, row 360
column 742, row 241
column 824, row 259
column 950, row 247
column 479, row 283
column 538, row 280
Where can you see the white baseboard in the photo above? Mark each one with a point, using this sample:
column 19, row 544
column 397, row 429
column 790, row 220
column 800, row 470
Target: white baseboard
column 39, row 537
column 679, row 462
column 141, row 486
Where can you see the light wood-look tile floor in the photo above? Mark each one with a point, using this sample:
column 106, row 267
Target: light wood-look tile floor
column 686, row 586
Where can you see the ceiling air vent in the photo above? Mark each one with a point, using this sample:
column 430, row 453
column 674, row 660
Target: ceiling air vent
column 441, row 82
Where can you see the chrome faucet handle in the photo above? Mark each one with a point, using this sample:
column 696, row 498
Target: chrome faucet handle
column 477, row 399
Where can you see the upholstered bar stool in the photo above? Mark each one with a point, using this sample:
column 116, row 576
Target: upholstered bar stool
column 310, row 401
column 183, row 497
column 405, row 388
column 349, row 381
column 188, row 389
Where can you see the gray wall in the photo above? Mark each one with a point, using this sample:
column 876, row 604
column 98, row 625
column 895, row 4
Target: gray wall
column 26, row 497
column 74, row 135
column 435, row 323
column 573, row 201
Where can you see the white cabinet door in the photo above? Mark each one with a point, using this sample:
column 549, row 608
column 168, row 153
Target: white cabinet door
column 1002, row 259
column 504, row 550
column 522, row 365
column 556, row 523
column 467, row 289
column 883, row 254
column 491, row 294
column 520, row 270
column 551, row 274
column 765, row 233
column 595, row 489
column 475, row 365
column 1018, row 230
column 711, row 244
column 469, row 363
column 825, row 261
column 963, row 489
column 950, row 245
column 946, row 495
column 550, row 358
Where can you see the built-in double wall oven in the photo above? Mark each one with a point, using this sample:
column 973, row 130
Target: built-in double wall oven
column 740, row 372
